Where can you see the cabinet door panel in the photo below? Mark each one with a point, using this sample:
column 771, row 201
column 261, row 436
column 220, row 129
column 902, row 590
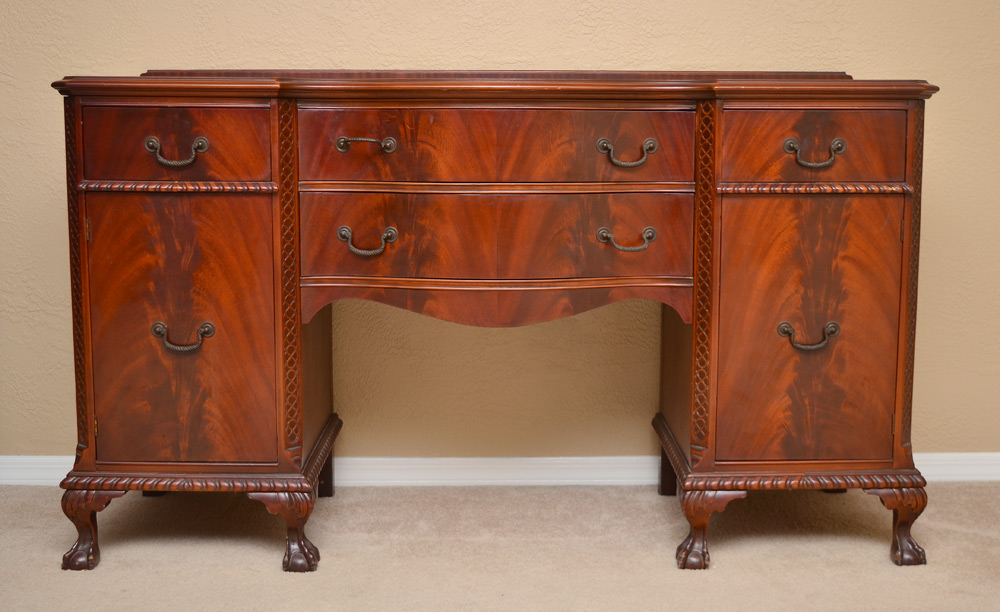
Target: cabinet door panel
column 808, row 261
column 182, row 261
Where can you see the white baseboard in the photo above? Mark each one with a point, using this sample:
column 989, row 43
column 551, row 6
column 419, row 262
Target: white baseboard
column 477, row 471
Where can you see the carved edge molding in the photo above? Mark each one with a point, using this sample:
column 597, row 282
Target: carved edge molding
column 323, row 448
column 670, row 446
column 182, row 483
column 288, row 201
column 76, row 281
column 178, row 187
column 755, row 482
column 811, row 188
column 704, row 244
column 911, row 293
column 739, row 482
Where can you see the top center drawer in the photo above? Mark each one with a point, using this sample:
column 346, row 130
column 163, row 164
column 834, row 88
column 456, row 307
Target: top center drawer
column 530, row 145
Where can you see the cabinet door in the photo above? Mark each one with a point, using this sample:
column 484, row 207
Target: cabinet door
column 808, row 262
column 182, row 260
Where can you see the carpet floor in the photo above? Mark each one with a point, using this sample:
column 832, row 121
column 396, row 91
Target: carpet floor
column 504, row 548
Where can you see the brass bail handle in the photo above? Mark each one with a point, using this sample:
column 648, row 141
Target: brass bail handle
column 830, row 330
column 206, row 330
column 389, row 234
column 387, row 144
column 648, row 235
column 648, row 146
column 200, row 145
column 839, row 145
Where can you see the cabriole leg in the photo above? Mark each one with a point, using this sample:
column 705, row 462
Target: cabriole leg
column 81, row 507
column 698, row 507
column 295, row 507
column 906, row 505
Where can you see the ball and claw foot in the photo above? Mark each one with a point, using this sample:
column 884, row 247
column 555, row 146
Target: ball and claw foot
column 81, row 507
column 906, row 505
column 295, row 507
column 698, row 507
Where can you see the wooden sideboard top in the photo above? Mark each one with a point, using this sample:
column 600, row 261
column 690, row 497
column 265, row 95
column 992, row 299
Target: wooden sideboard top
column 349, row 84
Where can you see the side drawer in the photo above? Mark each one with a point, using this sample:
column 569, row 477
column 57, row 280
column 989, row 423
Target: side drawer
column 117, row 143
column 494, row 145
column 183, row 261
column 557, row 236
column 790, row 267
column 763, row 146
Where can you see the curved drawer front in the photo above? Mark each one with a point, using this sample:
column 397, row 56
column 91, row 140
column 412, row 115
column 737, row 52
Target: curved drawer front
column 554, row 236
column 116, row 143
column 494, row 145
column 829, row 145
column 436, row 236
column 490, row 237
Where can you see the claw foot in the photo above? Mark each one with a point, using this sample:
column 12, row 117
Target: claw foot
column 698, row 507
column 295, row 507
column 81, row 507
column 906, row 505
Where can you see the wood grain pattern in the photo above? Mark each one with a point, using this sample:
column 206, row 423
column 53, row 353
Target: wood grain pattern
column 182, row 260
column 509, row 145
column 477, row 236
column 752, row 142
column 808, row 261
column 547, row 236
column 114, row 143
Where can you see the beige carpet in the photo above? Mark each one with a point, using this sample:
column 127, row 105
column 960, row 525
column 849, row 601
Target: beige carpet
column 504, row 548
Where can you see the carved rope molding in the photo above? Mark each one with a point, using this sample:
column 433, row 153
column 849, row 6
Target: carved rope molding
column 288, row 201
column 322, row 449
column 704, row 230
column 874, row 480
column 178, row 186
column 182, row 483
column 911, row 294
column 813, row 188
column 76, row 282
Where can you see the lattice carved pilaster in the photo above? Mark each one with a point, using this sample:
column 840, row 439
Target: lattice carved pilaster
column 704, row 244
column 291, row 348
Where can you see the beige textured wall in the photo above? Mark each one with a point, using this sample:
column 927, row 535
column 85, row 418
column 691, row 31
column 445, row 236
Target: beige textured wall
column 585, row 385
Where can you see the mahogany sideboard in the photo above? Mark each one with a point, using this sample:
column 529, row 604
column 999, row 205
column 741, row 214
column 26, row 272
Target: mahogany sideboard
column 215, row 215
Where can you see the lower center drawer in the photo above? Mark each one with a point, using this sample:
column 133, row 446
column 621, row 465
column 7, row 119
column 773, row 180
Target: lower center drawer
column 473, row 236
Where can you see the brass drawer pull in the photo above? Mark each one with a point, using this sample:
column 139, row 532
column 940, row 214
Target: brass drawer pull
column 648, row 146
column 648, row 235
column 786, row 330
column 839, row 145
column 200, row 145
column 388, row 235
column 388, row 144
column 207, row 330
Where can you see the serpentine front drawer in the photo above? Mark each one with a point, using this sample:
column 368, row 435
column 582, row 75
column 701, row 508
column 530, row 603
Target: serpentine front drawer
column 168, row 143
column 810, row 145
column 475, row 236
column 495, row 145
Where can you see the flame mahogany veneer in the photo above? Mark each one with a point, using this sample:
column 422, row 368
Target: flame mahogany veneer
column 215, row 215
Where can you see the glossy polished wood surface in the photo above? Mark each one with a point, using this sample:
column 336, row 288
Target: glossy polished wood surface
column 808, row 261
column 477, row 236
column 752, row 145
column 114, row 143
column 485, row 145
column 182, row 260
column 497, row 189
column 555, row 236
